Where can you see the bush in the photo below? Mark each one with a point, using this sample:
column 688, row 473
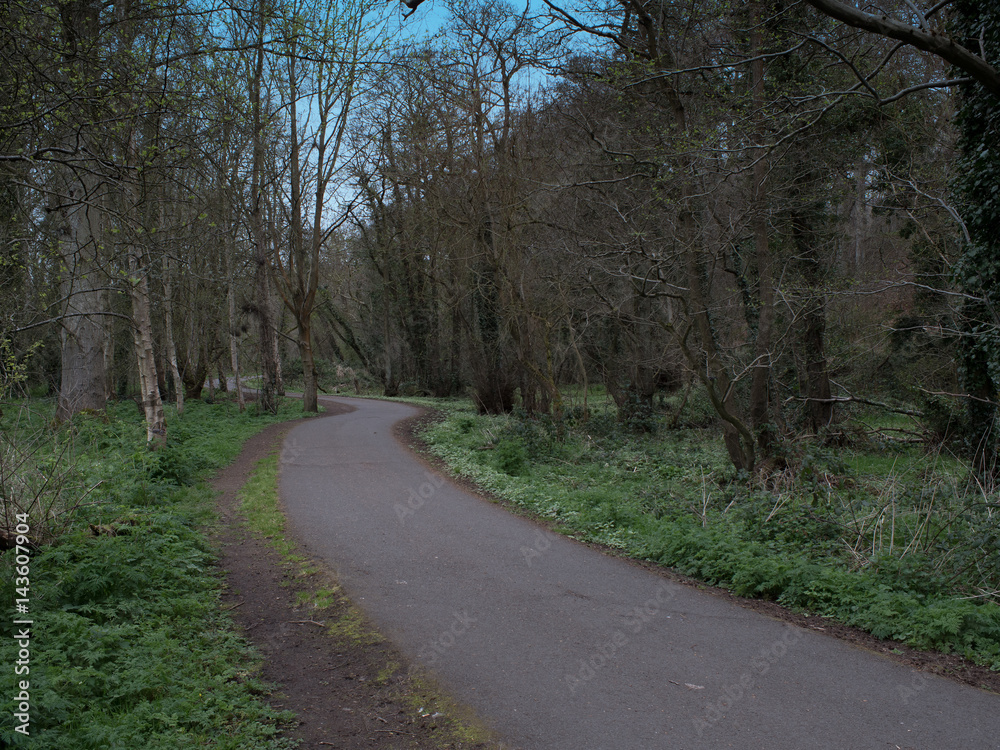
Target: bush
column 175, row 465
column 944, row 418
column 511, row 457
column 637, row 413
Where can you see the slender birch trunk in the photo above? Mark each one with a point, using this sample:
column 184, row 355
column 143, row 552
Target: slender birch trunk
column 168, row 322
column 234, row 351
column 142, row 336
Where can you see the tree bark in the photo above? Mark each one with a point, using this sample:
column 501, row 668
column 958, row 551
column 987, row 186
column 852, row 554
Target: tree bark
column 84, row 340
column 234, row 352
column 168, row 324
column 83, row 384
column 760, row 401
column 142, row 336
column 819, row 407
column 310, row 399
column 927, row 40
column 268, row 339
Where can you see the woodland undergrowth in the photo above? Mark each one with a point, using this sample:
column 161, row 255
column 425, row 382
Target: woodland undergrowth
column 129, row 646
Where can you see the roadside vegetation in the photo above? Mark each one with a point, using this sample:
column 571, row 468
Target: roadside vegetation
column 129, row 645
column 884, row 535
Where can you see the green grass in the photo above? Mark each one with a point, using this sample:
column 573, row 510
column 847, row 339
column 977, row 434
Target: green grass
column 262, row 511
column 259, row 505
column 129, row 645
column 886, row 538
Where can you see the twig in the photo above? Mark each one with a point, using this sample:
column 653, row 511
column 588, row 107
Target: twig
column 983, row 595
column 856, row 400
column 959, row 395
column 229, row 609
column 306, row 622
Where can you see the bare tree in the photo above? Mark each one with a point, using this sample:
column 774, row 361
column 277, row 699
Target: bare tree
column 321, row 71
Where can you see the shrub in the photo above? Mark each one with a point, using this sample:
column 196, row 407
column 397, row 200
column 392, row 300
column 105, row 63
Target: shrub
column 511, row 457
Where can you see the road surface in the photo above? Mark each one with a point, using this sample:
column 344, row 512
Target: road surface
column 559, row 647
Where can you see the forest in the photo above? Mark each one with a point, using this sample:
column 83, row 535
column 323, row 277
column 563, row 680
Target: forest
column 742, row 254
column 764, row 205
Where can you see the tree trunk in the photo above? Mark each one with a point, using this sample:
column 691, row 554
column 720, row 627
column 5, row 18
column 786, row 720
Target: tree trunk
column 583, row 373
column 85, row 348
column 268, row 339
column 142, row 336
column 815, row 376
column 168, row 324
column 760, row 401
column 310, row 402
column 978, row 270
column 279, row 379
column 234, row 354
column 83, row 383
column 707, row 363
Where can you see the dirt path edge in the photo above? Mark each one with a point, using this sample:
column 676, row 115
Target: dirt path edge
column 350, row 688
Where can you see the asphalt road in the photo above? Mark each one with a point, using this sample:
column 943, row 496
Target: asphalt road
column 560, row 647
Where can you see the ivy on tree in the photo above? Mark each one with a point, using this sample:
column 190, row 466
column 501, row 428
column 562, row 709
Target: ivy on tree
column 978, row 272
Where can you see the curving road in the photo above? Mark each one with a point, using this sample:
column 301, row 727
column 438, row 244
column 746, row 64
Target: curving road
column 559, row 647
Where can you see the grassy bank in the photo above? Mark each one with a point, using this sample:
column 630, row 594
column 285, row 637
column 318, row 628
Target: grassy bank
column 881, row 536
column 128, row 645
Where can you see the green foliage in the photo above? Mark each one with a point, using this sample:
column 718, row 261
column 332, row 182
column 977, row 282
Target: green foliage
column 465, row 424
column 12, row 368
column 129, row 647
column 539, row 434
column 943, row 417
column 512, row 457
column 637, row 412
column 978, row 272
column 175, row 465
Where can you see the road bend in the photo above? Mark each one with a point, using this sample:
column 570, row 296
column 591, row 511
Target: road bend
column 560, row 647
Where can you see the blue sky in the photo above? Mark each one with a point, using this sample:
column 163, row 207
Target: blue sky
column 431, row 14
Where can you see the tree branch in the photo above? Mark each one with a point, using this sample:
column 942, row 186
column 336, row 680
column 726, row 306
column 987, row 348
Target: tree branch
column 921, row 86
column 856, row 400
column 928, row 41
column 412, row 5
